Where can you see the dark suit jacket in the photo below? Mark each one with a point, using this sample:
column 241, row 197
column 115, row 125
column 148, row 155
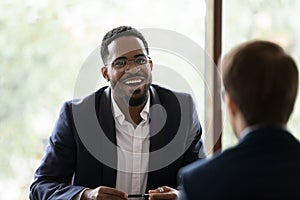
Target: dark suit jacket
column 264, row 165
column 69, row 159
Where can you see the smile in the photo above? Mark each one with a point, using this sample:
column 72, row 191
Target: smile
column 134, row 81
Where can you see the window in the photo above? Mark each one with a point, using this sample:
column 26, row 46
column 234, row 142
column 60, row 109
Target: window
column 260, row 19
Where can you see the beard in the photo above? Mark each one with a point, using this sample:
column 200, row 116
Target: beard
column 139, row 97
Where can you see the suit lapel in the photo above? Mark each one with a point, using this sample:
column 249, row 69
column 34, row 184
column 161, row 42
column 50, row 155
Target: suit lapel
column 107, row 124
column 165, row 119
column 157, row 121
column 157, row 136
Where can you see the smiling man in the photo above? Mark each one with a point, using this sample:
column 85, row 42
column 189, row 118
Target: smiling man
column 153, row 132
column 129, row 73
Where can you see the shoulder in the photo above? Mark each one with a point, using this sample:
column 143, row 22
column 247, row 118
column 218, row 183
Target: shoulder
column 91, row 98
column 80, row 106
column 163, row 90
column 208, row 168
column 202, row 176
column 165, row 95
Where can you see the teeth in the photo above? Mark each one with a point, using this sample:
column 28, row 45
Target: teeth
column 133, row 81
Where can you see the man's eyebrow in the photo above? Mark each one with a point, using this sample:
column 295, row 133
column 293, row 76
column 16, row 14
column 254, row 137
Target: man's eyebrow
column 122, row 57
column 138, row 55
column 135, row 56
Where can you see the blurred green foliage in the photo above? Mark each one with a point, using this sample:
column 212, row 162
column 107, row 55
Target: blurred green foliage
column 38, row 66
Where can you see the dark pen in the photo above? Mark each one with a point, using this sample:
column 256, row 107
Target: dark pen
column 137, row 195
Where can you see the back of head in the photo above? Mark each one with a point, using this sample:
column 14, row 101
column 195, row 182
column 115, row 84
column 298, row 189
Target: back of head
column 119, row 32
column 262, row 80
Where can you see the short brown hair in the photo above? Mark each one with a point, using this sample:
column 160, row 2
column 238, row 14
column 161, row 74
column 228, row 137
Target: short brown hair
column 262, row 80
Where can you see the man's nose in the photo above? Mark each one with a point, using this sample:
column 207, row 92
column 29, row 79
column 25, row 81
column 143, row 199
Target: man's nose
column 132, row 67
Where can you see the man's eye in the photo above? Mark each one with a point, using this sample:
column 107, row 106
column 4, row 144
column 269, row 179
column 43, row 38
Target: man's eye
column 120, row 63
column 141, row 61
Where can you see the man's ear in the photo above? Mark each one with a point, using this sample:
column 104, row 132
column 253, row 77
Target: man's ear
column 151, row 64
column 105, row 73
column 237, row 120
column 231, row 105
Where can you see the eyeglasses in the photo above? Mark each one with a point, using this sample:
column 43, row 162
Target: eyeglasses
column 222, row 94
column 121, row 64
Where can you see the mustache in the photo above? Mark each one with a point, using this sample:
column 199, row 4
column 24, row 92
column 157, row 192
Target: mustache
column 130, row 75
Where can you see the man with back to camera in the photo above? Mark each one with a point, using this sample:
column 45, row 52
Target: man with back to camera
column 71, row 170
column 261, row 83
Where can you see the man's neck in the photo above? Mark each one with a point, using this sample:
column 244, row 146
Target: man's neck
column 131, row 113
column 134, row 114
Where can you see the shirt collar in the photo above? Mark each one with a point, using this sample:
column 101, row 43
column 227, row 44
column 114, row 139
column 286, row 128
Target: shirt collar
column 120, row 117
column 253, row 128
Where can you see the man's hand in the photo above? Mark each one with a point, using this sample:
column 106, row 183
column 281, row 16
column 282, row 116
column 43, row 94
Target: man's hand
column 104, row 193
column 163, row 192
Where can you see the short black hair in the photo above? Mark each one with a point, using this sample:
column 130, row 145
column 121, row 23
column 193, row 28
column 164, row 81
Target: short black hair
column 116, row 33
column 262, row 79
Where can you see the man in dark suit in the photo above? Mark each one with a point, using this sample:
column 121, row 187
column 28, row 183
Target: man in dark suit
column 129, row 138
column 261, row 83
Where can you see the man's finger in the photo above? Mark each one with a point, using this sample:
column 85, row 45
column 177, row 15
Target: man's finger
column 156, row 196
column 112, row 192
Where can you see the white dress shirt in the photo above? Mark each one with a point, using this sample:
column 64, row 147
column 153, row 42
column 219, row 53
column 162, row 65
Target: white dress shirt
column 252, row 128
column 133, row 151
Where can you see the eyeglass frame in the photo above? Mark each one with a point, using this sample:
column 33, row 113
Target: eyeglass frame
column 126, row 65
